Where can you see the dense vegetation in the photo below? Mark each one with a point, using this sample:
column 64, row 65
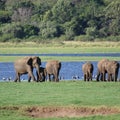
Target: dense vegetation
column 36, row 20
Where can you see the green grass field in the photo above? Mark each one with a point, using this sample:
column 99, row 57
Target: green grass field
column 65, row 93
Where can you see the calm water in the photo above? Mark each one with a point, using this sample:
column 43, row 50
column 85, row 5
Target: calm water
column 75, row 54
column 68, row 70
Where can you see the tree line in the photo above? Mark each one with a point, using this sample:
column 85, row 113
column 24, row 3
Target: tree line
column 36, row 20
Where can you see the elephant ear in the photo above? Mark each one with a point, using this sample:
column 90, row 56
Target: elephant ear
column 38, row 60
column 29, row 62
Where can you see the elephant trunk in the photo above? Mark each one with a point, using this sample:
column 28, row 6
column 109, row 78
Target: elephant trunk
column 38, row 72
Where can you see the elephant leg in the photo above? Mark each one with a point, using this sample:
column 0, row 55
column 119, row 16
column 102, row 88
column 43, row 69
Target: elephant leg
column 29, row 78
column 30, row 74
column 98, row 75
column 109, row 77
column 37, row 76
column 84, row 77
column 87, row 77
column 17, row 77
column 91, row 76
column 49, row 77
column 103, row 77
column 115, row 77
column 112, row 77
column 56, row 79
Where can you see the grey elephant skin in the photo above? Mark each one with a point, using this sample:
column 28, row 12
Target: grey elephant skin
column 87, row 69
column 25, row 65
column 53, row 68
column 112, row 68
column 101, row 71
column 43, row 74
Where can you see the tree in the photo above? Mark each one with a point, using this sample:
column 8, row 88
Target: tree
column 22, row 11
column 112, row 14
column 49, row 29
column 63, row 11
column 2, row 4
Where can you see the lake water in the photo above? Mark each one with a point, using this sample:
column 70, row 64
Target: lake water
column 73, row 54
column 68, row 70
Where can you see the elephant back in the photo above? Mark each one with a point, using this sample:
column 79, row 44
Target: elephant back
column 112, row 67
column 51, row 65
column 88, row 66
column 102, row 64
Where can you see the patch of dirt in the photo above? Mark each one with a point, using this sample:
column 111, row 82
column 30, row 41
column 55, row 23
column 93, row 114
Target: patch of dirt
column 54, row 112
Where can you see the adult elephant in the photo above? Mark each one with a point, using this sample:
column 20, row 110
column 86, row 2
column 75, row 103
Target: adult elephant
column 43, row 74
column 25, row 65
column 112, row 69
column 101, row 72
column 87, row 69
column 53, row 68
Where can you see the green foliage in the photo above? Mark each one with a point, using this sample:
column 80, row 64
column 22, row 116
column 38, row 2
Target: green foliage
column 2, row 4
column 4, row 17
column 112, row 13
column 67, row 19
column 30, row 30
column 49, row 30
column 63, row 11
column 84, row 38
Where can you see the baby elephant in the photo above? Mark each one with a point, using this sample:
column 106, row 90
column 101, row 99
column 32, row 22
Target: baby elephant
column 42, row 73
column 87, row 69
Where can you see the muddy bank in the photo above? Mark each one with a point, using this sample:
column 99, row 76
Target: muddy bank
column 54, row 112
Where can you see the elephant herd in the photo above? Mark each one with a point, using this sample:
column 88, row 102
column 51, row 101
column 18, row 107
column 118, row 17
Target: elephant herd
column 26, row 65
column 104, row 66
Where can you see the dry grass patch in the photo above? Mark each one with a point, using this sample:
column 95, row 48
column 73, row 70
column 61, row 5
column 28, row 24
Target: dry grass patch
column 54, row 112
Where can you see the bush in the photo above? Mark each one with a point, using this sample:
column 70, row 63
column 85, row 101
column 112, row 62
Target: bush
column 84, row 38
column 30, row 30
column 113, row 38
column 6, row 37
column 49, row 30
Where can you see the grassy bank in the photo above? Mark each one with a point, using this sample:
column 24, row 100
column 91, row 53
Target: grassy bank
column 65, row 93
column 61, row 58
column 60, row 47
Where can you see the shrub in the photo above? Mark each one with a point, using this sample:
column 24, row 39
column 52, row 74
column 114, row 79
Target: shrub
column 84, row 38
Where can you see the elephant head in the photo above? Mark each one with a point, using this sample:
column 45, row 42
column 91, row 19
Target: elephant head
column 36, row 62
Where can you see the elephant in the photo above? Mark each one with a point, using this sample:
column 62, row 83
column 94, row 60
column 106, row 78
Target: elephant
column 101, row 72
column 87, row 69
column 112, row 69
column 25, row 65
column 53, row 68
column 43, row 74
